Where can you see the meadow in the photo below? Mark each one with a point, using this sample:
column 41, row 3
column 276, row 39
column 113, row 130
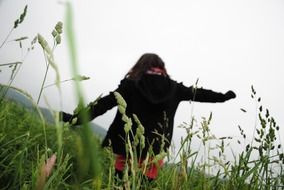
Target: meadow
column 36, row 154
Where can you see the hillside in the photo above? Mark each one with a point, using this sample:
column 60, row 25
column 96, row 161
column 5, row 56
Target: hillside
column 21, row 98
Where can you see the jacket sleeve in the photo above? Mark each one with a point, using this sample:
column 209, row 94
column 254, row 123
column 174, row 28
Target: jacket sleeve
column 199, row 94
column 103, row 104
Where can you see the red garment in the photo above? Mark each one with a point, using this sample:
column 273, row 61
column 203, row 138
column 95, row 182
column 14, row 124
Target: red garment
column 151, row 172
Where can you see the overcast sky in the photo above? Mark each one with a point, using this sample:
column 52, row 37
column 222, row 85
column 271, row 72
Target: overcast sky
column 226, row 44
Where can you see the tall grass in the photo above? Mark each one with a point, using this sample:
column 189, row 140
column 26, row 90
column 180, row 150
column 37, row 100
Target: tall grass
column 24, row 148
column 16, row 65
column 35, row 154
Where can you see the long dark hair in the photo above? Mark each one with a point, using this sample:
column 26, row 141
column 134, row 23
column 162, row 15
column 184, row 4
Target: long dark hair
column 145, row 63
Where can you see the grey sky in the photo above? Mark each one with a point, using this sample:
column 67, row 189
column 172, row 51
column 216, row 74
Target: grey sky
column 228, row 45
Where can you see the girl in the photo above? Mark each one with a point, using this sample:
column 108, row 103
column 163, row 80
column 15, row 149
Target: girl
column 154, row 97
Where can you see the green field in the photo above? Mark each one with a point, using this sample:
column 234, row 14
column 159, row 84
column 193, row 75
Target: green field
column 40, row 153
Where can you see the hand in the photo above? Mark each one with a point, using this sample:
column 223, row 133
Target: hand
column 65, row 117
column 230, row 95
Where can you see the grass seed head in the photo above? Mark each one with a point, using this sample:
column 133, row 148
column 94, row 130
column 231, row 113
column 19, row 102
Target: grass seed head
column 54, row 33
column 23, row 15
column 127, row 127
column 74, row 121
column 21, row 19
column 121, row 110
column 58, row 39
column 58, row 27
column 80, row 78
column 16, row 23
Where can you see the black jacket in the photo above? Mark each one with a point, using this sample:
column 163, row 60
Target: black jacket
column 154, row 99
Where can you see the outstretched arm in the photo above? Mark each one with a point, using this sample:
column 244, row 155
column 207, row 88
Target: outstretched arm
column 98, row 107
column 203, row 95
column 93, row 109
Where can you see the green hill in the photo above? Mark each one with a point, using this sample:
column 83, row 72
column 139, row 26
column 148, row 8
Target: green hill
column 22, row 98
